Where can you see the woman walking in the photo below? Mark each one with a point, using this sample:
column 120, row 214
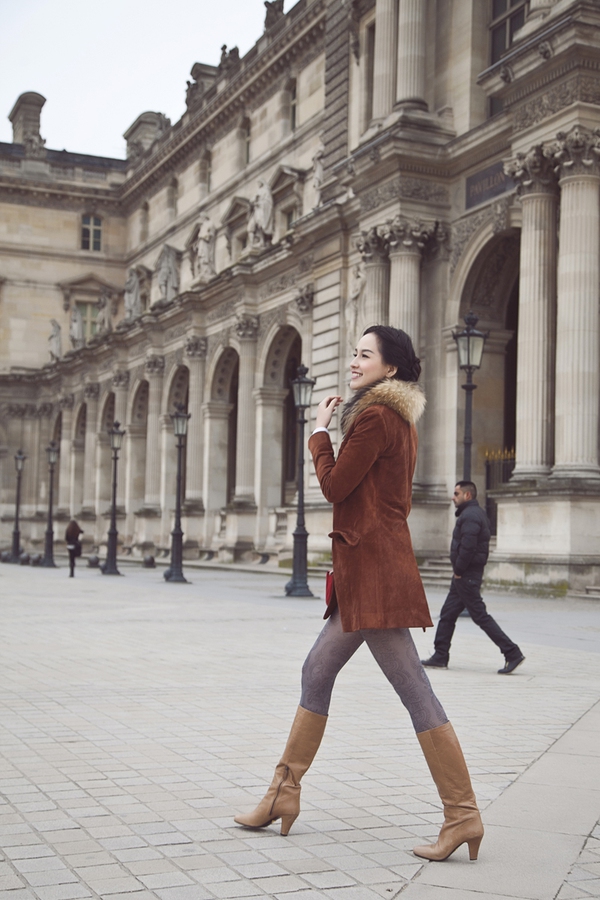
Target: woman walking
column 378, row 590
column 73, row 544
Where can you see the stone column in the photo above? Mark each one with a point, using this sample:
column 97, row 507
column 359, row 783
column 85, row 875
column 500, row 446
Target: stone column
column 66, row 403
column 195, row 351
column 216, row 425
column 534, row 173
column 269, row 456
column 384, row 68
column 406, row 242
column 120, row 383
column 91, row 392
column 155, row 367
column 577, row 354
column 373, row 247
column 410, row 80
column 246, row 329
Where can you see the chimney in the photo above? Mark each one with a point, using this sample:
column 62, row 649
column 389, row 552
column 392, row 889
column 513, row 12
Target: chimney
column 25, row 117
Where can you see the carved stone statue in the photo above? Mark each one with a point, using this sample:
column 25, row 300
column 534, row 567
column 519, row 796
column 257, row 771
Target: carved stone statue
column 318, row 171
column 205, row 252
column 55, row 341
column 274, row 13
column 104, row 318
column 354, row 303
column 167, row 273
column 133, row 300
column 260, row 223
column 76, row 328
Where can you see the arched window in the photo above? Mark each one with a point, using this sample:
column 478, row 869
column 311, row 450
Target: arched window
column 91, row 232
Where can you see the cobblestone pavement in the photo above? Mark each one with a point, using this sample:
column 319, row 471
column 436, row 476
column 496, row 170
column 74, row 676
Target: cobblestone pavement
column 136, row 717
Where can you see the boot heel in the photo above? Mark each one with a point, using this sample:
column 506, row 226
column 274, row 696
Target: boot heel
column 474, row 847
column 287, row 822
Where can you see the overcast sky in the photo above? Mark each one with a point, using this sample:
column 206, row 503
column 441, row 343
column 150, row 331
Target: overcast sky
column 99, row 65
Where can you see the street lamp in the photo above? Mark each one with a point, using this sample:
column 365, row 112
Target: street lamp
column 469, row 343
column 180, row 425
column 116, row 440
column 298, row 586
column 16, row 537
column 48, row 560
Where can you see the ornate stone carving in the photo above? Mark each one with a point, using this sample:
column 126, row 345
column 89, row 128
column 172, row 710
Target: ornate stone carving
column 66, row 401
column 104, row 317
column 196, row 347
column 230, row 60
column 91, row 391
column 274, row 14
column 506, row 74
column 202, row 249
column 580, row 88
column 34, row 146
column 403, row 187
column 491, row 285
column 167, row 273
column 497, row 213
column 532, row 171
column 132, row 297
column 304, row 299
column 260, row 222
column 576, row 151
column 318, row 170
column 545, row 49
column 55, row 341
column 246, row 327
column 120, row 379
column 401, row 233
column 371, row 244
column 155, row 365
column 354, row 303
column 44, row 410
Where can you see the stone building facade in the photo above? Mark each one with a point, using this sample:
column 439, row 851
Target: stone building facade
column 398, row 161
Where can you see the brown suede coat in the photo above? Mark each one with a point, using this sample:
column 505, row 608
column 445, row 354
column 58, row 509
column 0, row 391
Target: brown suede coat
column 377, row 582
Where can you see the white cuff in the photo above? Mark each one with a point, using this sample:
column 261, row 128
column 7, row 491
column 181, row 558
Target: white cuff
column 320, row 428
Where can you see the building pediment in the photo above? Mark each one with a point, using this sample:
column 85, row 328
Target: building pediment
column 89, row 286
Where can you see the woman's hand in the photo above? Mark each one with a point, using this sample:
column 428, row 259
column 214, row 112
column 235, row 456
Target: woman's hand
column 325, row 411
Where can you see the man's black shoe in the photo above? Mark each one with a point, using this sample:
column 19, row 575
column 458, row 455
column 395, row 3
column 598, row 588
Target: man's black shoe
column 511, row 665
column 435, row 662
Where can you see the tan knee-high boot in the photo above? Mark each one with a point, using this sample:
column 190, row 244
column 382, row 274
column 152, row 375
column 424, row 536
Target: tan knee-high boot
column 282, row 800
column 462, row 822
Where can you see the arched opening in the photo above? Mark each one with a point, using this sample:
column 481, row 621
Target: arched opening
column 492, row 292
column 290, row 426
column 78, row 460
column 136, row 452
column 178, row 396
column 104, row 464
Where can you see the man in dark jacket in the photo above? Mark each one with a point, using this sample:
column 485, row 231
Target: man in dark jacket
column 468, row 553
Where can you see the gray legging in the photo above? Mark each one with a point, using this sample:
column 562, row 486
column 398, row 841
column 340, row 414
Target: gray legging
column 396, row 655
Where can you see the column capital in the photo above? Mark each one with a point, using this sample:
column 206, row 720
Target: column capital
column 91, row 390
column 534, row 172
column 196, row 347
column 120, row 380
column 67, row 401
column 576, row 152
column 373, row 245
column 246, row 327
column 155, row 365
column 406, row 235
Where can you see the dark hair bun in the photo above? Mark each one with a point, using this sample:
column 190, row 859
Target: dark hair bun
column 397, row 350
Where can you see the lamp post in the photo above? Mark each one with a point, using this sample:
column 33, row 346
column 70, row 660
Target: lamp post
column 298, row 586
column 116, row 441
column 16, row 536
column 48, row 561
column 180, row 425
column 469, row 343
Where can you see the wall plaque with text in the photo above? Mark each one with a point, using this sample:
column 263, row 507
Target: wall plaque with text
column 487, row 184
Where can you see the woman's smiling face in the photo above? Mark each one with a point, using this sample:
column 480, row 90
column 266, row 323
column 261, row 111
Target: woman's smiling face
column 368, row 365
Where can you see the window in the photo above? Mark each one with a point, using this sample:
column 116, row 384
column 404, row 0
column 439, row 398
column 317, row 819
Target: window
column 246, row 142
column 144, row 222
column 91, row 233
column 293, row 106
column 507, row 17
column 369, row 71
column 290, row 218
column 89, row 314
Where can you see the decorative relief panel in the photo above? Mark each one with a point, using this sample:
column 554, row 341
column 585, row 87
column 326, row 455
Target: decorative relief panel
column 403, row 187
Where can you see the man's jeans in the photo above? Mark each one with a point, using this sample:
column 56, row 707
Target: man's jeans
column 465, row 593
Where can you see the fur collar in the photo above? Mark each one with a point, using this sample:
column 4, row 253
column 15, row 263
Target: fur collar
column 405, row 397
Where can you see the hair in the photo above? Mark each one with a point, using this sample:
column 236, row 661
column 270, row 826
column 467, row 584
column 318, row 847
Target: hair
column 468, row 487
column 397, row 349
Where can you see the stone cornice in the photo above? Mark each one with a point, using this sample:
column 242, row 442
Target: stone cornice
column 63, row 196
